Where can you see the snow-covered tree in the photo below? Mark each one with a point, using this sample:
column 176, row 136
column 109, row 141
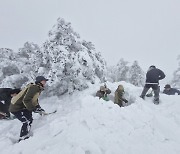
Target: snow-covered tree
column 111, row 73
column 176, row 76
column 118, row 72
column 6, row 53
column 67, row 61
column 122, row 70
column 72, row 63
column 8, row 66
column 136, row 74
column 31, row 56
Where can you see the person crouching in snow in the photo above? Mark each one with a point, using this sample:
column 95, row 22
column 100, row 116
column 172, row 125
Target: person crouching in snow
column 6, row 95
column 170, row 91
column 24, row 103
column 119, row 96
column 103, row 93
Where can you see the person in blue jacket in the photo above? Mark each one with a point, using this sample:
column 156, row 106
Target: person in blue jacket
column 170, row 91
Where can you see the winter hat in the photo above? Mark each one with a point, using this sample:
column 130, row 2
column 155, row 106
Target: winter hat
column 167, row 86
column 15, row 91
column 120, row 87
column 102, row 88
column 152, row 66
column 40, row 78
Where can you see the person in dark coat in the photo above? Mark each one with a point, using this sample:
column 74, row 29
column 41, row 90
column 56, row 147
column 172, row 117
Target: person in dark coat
column 170, row 91
column 153, row 76
column 5, row 99
column 103, row 93
column 23, row 104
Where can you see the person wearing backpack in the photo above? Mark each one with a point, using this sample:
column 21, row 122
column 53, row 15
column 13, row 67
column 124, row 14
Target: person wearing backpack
column 24, row 103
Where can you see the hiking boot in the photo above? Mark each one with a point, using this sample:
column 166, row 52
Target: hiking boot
column 156, row 101
column 23, row 138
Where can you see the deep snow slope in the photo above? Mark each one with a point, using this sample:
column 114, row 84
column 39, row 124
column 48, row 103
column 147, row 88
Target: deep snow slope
column 84, row 124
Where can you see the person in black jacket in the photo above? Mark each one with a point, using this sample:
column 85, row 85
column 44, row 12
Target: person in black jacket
column 170, row 91
column 5, row 99
column 153, row 76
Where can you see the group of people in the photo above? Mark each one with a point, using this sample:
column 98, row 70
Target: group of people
column 21, row 103
column 153, row 76
column 118, row 96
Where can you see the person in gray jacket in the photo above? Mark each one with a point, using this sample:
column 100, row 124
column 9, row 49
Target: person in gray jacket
column 170, row 91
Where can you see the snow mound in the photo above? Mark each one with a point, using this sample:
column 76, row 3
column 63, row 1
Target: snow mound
column 84, row 124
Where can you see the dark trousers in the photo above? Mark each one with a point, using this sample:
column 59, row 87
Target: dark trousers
column 155, row 88
column 25, row 117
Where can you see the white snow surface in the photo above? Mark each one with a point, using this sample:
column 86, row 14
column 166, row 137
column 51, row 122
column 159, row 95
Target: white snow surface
column 83, row 124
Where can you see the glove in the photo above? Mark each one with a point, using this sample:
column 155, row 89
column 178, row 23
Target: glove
column 39, row 110
column 125, row 100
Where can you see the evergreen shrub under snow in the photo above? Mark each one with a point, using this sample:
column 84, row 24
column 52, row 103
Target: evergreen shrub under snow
column 67, row 61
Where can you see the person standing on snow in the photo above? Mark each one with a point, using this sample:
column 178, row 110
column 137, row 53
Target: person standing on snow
column 119, row 96
column 153, row 76
column 170, row 91
column 24, row 103
column 5, row 99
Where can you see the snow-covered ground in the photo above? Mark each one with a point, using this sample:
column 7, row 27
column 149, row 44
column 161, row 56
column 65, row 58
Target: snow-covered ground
column 84, row 124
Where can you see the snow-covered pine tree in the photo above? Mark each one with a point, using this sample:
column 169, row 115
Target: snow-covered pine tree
column 122, row 70
column 22, row 67
column 136, row 74
column 176, row 76
column 71, row 63
column 31, row 56
column 111, row 73
column 8, row 68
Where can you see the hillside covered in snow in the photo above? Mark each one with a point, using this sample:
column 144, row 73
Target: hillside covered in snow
column 83, row 124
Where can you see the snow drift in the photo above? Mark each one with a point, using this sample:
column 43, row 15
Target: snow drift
column 84, row 124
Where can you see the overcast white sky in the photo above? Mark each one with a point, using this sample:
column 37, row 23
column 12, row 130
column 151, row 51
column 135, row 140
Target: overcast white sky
column 143, row 30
